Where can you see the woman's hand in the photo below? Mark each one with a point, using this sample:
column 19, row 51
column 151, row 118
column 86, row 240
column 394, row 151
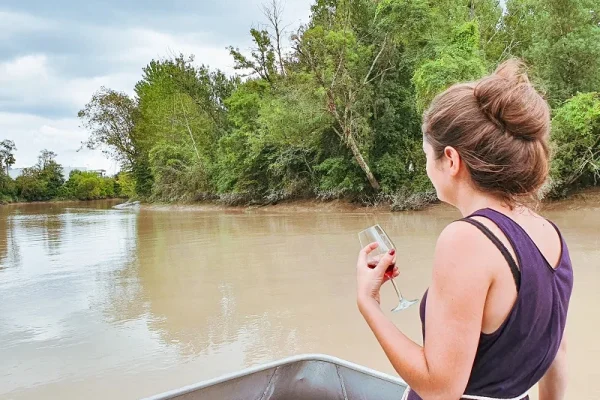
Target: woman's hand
column 369, row 280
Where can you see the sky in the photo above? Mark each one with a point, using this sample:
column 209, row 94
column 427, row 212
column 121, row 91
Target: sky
column 55, row 54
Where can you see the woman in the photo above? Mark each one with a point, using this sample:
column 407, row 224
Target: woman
column 494, row 315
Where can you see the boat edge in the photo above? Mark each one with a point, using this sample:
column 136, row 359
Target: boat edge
column 285, row 361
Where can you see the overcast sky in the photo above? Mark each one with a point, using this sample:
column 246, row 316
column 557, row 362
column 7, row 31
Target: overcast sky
column 55, row 54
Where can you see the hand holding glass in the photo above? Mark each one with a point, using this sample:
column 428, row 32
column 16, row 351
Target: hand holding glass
column 377, row 234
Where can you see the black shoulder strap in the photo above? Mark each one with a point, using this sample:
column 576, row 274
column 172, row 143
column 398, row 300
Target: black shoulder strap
column 516, row 273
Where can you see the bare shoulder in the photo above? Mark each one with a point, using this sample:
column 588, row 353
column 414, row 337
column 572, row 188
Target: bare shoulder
column 462, row 251
column 461, row 239
column 462, row 277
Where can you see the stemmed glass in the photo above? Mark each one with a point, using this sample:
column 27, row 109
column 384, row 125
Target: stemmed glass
column 376, row 234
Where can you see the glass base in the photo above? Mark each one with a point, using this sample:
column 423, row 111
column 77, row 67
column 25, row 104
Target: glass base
column 404, row 304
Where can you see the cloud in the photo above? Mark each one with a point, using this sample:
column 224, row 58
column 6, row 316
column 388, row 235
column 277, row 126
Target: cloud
column 55, row 55
column 29, row 84
column 32, row 66
column 36, row 83
column 136, row 44
column 32, row 134
column 18, row 23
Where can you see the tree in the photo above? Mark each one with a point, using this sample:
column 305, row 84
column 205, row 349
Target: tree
column 50, row 172
column 88, row 186
column 7, row 156
column 207, row 88
column 43, row 181
column 182, row 114
column 344, row 68
column 560, row 40
column 110, row 116
column 125, row 185
column 340, row 113
column 262, row 60
column 46, row 159
column 273, row 11
column 30, row 187
column 576, row 142
column 458, row 61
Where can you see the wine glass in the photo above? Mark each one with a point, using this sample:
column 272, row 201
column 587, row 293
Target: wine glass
column 376, row 234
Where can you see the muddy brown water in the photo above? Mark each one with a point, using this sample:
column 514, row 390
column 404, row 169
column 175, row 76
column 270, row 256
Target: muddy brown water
column 104, row 303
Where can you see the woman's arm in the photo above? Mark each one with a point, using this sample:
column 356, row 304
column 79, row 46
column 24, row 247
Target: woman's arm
column 461, row 279
column 553, row 385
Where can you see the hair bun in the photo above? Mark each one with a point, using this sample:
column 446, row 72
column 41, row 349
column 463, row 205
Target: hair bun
column 509, row 100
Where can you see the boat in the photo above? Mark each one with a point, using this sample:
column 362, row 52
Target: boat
column 310, row 376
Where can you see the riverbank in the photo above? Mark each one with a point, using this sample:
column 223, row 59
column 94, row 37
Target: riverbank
column 115, row 200
column 580, row 200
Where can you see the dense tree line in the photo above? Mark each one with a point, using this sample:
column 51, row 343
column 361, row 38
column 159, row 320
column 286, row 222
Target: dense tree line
column 45, row 181
column 334, row 108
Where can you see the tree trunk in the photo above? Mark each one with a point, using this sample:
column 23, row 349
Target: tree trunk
column 281, row 65
column 187, row 124
column 362, row 163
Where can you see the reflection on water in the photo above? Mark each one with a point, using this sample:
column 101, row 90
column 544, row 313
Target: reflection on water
column 98, row 302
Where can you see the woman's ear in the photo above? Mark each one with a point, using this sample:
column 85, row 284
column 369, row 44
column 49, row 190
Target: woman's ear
column 453, row 160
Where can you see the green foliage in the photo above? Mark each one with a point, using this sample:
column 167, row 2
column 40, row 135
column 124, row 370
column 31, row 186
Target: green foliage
column 7, row 156
column 409, row 23
column 8, row 189
column 50, row 172
column 458, row 61
column 339, row 177
column 42, row 181
column 110, row 116
column 30, row 187
column 262, row 61
column 88, row 186
column 125, row 185
column 560, row 40
column 340, row 113
column 576, row 140
column 182, row 117
column 178, row 174
column 270, row 152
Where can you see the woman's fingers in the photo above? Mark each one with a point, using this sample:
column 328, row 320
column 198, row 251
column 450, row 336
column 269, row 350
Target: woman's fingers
column 362, row 256
column 385, row 261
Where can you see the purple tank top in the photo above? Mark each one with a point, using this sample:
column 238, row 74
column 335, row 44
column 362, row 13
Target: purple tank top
column 513, row 359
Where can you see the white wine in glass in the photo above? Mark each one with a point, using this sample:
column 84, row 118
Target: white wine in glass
column 377, row 234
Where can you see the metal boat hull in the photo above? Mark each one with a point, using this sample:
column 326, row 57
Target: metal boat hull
column 296, row 378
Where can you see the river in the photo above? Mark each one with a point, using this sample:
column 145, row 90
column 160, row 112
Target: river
column 104, row 303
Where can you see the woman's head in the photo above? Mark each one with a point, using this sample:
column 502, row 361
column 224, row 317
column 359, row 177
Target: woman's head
column 492, row 133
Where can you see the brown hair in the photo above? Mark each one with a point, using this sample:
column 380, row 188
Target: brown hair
column 500, row 126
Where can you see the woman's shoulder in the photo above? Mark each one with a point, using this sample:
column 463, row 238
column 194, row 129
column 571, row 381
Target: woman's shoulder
column 461, row 268
column 461, row 236
column 461, row 245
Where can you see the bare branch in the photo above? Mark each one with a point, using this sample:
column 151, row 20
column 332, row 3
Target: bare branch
column 188, row 127
column 375, row 61
column 273, row 11
column 507, row 50
column 493, row 36
column 338, row 133
column 379, row 74
column 337, row 71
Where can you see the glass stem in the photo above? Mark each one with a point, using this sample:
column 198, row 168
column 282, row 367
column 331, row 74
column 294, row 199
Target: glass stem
column 396, row 289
